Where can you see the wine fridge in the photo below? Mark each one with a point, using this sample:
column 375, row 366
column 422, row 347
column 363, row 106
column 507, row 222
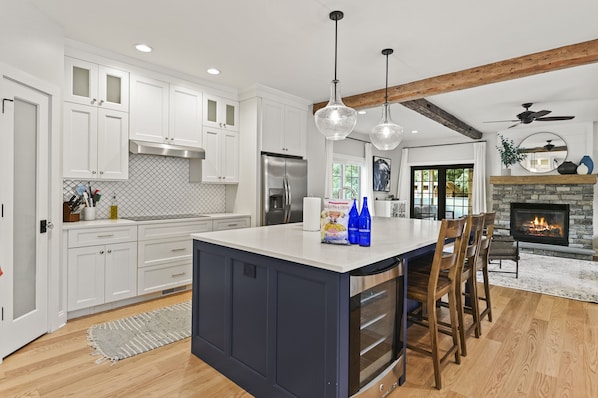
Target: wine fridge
column 376, row 336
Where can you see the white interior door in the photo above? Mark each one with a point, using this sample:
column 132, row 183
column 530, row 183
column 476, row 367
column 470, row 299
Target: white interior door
column 25, row 194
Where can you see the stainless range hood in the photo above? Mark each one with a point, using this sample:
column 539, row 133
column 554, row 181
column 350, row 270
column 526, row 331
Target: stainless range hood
column 153, row 148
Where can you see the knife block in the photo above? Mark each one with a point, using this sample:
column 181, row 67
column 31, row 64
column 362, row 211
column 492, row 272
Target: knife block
column 67, row 216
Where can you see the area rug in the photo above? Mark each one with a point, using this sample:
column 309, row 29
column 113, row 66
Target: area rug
column 555, row 276
column 140, row 333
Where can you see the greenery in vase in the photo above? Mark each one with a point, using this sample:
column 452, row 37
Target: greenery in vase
column 509, row 153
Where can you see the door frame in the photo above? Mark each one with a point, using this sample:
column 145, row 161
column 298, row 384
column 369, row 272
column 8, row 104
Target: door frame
column 57, row 309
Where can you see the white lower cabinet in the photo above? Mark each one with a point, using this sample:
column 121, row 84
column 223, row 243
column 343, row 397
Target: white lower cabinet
column 101, row 273
column 165, row 254
column 108, row 264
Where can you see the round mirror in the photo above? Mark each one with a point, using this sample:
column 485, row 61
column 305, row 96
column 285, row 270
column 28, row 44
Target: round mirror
column 545, row 152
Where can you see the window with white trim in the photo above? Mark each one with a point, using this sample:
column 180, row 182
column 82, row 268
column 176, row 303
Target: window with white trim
column 346, row 177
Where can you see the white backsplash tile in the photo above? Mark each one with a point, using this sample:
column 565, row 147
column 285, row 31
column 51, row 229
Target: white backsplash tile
column 156, row 185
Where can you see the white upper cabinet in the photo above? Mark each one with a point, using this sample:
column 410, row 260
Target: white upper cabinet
column 221, row 164
column 220, row 113
column 165, row 113
column 95, row 143
column 185, row 116
column 284, row 128
column 149, row 109
column 91, row 84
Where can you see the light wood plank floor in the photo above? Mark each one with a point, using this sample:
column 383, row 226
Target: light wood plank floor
column 537, row 346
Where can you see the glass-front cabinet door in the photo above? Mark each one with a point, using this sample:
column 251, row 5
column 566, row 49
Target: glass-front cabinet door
column 96, row 85
column 221, row 113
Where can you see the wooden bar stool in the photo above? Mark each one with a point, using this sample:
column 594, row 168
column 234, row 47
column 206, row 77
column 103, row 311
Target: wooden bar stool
column 482, row 264
column 468, row 276
column 430, row 288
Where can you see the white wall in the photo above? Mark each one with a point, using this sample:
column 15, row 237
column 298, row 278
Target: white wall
column 31, row 42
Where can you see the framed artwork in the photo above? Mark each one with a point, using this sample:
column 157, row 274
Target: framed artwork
column 381, row 174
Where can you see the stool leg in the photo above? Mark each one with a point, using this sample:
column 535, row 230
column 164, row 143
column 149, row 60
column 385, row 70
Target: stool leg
column 460, row 311
column 454, row 323
column 487, row 293
column 433, row 328
column 475, row 305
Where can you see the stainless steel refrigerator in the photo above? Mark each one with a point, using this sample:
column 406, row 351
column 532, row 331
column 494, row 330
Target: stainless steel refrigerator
column 284, row 185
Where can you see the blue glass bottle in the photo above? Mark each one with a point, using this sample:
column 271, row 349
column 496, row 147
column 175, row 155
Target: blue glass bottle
column 365, row 224
column 354, row 224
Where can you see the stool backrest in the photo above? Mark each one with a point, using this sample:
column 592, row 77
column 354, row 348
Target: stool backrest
column 452, row 232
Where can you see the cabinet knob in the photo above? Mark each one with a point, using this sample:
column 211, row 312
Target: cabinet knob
column 101, row 172
column 109, row 251
column 101, row 251
column 101, row 102
column 93, row 100
column 93, row 172
column 172, row 139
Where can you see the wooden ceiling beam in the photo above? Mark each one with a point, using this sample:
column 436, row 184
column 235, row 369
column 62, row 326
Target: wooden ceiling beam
column 441, row 116
column 545, row 61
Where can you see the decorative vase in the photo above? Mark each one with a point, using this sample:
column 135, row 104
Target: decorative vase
column 588, row 162
column 582, row 169
column 567, row 168
column 505, row 172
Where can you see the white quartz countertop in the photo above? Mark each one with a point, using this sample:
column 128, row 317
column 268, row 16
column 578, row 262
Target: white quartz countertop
column 390, row 237
column 125, row 222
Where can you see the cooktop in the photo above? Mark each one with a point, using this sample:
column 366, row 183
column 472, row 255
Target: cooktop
column 163, row 217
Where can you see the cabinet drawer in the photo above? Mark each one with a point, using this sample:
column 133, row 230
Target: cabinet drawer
column 156, row 278
column 173, row 230
column 101, row 236
column 164, row 251
column 231, row 223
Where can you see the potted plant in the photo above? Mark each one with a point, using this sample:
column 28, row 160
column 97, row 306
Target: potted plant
column 509, row 154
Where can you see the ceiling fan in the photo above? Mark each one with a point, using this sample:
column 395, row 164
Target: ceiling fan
column 527, row 116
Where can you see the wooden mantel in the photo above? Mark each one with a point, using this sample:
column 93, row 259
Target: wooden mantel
column 544, row 179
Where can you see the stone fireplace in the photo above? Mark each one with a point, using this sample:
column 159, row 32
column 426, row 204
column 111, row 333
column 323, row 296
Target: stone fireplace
column 542, row 202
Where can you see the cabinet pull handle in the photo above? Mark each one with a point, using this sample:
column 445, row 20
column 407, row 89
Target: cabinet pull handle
column 106, row 236
column 232, row 225
column 179, row 274
column 179, row 249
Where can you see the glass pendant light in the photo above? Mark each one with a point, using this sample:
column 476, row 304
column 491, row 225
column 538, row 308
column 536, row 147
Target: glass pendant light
column 335, row 121
column 386, row 135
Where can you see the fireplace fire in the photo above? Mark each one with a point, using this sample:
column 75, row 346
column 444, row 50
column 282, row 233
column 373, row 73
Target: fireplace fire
column 540, row 223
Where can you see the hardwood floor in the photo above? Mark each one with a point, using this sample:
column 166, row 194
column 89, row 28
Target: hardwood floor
column 537, row 346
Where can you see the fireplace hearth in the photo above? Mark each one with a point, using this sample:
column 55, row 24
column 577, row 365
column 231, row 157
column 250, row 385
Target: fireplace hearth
column 540, row 223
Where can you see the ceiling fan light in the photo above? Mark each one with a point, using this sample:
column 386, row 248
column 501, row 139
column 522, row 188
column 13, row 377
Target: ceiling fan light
column 386, row 135
column 336, row 120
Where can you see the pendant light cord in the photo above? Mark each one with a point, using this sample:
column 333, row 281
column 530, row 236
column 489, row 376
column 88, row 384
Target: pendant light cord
column 335, row 47
column 386, row 94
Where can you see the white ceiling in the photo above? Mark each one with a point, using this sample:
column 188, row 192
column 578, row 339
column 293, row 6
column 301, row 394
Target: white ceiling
column 289, row 45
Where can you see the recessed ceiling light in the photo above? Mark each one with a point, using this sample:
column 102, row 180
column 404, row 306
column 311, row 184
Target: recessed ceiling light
column 213, row 71
column 362, row 112
column 144, row 48
column 414, row 131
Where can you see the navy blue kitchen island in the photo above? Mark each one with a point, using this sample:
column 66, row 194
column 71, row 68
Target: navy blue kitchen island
column 271, row 304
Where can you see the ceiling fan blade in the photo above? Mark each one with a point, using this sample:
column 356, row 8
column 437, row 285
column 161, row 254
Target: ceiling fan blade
column 501, row 121
column 538, row 114
column 554, row 118
column 514, row 125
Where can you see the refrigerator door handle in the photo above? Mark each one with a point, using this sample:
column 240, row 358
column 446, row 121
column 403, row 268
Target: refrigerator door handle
column 287, row 200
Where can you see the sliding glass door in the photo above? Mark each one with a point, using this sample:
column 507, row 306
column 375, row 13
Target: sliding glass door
column 439, row 192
